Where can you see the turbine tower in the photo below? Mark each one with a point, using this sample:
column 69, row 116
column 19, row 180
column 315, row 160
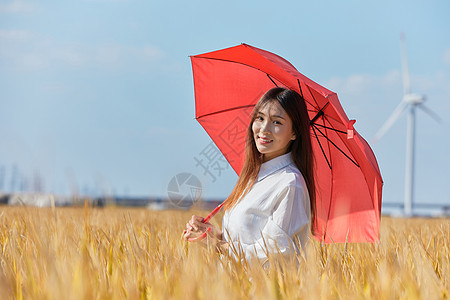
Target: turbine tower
column 409, row 104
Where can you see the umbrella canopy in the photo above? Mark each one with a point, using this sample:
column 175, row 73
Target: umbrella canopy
column 229, row 82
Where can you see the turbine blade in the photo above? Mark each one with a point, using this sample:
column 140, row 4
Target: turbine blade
column 390, row 121
column 431, row 113
column 405, row 73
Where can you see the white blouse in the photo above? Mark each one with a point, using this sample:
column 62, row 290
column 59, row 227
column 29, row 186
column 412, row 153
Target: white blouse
column 275, row 208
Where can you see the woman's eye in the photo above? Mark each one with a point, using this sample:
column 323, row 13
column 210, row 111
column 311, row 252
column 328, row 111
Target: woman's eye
column 277, row 122
column 259, row 118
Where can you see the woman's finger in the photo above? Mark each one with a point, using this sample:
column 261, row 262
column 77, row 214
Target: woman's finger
column 189, row 226
column 197, row 225
column 187, row 234
column 197, row 218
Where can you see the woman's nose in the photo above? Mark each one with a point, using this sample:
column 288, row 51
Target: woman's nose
column 265, row 127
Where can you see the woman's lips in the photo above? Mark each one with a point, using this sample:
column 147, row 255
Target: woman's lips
column 263, row 140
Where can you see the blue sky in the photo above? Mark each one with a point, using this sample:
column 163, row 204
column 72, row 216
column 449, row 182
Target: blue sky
column 97, row 96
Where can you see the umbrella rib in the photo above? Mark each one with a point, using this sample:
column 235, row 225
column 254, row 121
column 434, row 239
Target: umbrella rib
column 329, row 165
column 321, row 148
column 309, row 89
column 319, row 114
column 300, row 88
column 272, row 80
column 224, row 110
column 314, row 126
column 331, row 128
column 301, row 94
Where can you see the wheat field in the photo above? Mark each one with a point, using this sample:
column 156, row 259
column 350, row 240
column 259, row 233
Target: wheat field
column 118, row 253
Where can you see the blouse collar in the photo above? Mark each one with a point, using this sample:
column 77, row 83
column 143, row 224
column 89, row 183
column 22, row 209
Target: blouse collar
column 274, row 165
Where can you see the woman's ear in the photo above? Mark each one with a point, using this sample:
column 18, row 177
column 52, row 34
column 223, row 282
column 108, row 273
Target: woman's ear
column 293, row 137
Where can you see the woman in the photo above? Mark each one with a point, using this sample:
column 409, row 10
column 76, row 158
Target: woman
column 272, row 205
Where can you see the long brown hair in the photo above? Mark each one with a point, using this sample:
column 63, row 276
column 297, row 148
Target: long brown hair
column 300, row 148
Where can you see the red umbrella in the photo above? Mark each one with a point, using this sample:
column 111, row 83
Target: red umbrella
column 227, row 85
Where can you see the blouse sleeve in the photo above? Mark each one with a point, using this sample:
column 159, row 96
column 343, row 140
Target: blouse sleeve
column 290, row 215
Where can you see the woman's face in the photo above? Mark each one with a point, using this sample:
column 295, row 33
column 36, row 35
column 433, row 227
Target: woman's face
column 272, row 130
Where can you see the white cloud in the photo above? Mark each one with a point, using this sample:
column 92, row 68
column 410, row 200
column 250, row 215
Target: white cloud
column 55, row 87
column 108, row 54
column 355, row 84
column 148, row 53
column 32, row 61
column 14, row 35
column 23, row 50
column 74, row 56
column 115, row 54
column 359, row 84
column 110, row 1
column 17, row 6
column 447, row 56
column 392, row 77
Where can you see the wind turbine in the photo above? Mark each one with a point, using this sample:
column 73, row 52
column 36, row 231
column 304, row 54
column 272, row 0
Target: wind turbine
column 409, row 104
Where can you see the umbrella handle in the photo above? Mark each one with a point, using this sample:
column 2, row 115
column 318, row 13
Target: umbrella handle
column 213, row 213
column 205, row 220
